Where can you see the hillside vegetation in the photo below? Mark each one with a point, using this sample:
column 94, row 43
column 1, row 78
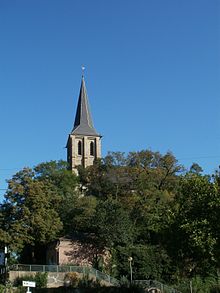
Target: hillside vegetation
column 142, row 205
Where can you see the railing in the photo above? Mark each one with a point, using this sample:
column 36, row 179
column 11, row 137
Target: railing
column 97, row 275
column 100, row 276
column 157, row 285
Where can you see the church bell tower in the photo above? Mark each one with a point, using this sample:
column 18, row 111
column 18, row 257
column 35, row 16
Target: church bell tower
column 84, row 143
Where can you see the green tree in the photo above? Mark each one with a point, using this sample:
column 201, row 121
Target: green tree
column 149, row 262
column 28, row 211
column 195, row 168
column 195, row 229
column 152, row 171
column 80, row 215
column 65, row 183
column 112, row 223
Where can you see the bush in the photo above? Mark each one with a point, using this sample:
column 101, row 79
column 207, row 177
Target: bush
column 71, row 279
column 18, row 281
column 124, row 282
column 87, row 282
column 39, row 278
column 200, row 285
column 2, row 288
column 215, row 289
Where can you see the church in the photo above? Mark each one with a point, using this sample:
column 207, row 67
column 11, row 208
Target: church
column 84, row 143
column 83, row 147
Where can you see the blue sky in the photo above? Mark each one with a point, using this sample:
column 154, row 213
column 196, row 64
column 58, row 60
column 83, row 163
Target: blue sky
column 152, row 76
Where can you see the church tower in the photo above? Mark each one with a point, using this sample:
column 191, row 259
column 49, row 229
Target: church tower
column 84, row 143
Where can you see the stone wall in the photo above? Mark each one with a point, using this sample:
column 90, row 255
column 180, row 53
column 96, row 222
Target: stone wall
column 54, row 279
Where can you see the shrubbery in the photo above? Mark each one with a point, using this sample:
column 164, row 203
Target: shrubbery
column 39, row 278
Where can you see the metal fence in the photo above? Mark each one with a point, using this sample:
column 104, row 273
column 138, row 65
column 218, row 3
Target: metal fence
column 152, row 284
column 91, row 272
column 100, row 276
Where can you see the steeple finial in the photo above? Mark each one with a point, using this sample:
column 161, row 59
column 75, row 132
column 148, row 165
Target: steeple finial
column 83, row 69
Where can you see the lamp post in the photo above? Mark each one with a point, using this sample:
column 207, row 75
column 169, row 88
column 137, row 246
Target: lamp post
column 130, row 264
column 6, row 263
column 191, row 287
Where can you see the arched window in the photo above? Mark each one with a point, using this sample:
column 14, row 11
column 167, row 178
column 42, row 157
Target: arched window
column 91, row 148
column 80, row 148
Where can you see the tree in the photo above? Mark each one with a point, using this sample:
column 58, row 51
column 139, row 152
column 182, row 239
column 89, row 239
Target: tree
column 80, row 215
column 65, row 183
column 118, row 175
column 194, row 240
column 28, row 211
column 195, row 168
column 150, row 262
column 112, row 224
column 151, row 170
column 95, row 179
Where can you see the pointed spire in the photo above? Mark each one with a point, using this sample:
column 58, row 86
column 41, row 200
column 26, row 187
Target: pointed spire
column 83, row 120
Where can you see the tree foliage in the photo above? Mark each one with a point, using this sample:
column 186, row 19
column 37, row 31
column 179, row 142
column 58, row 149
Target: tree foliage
column 195, row 230
column 143, row 204
column 113, row 224
column 29, row 211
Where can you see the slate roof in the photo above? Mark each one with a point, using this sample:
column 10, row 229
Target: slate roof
column 83, row 124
